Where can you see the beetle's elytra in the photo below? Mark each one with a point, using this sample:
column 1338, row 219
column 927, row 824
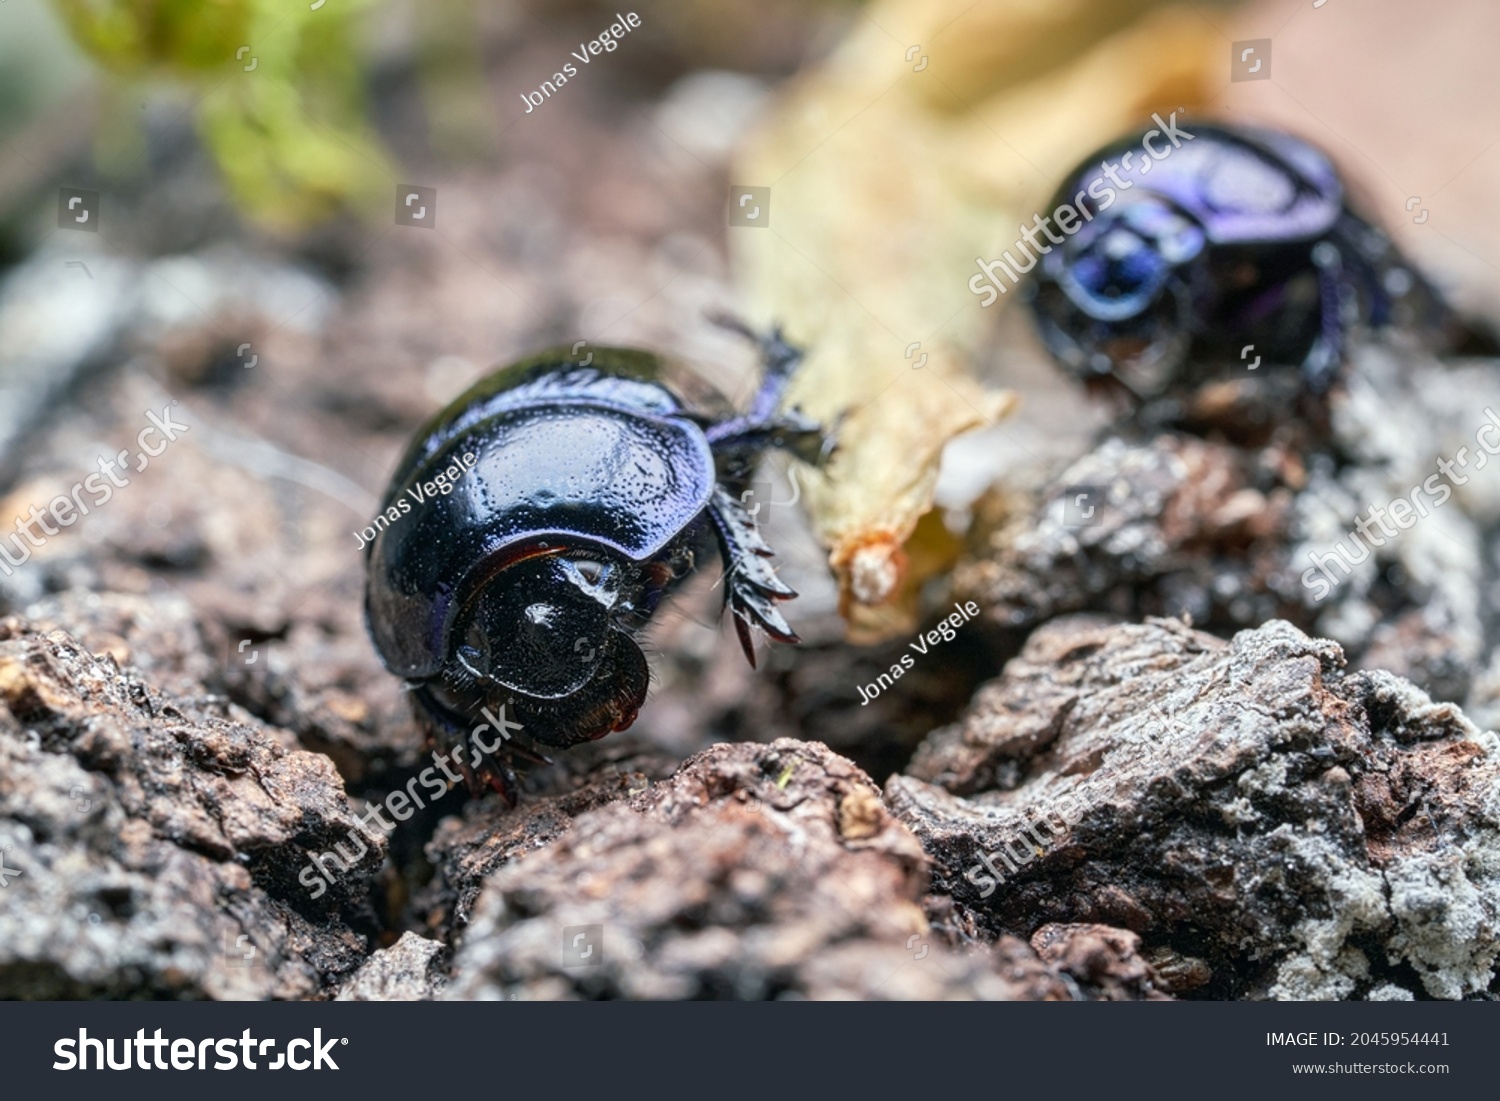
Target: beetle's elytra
column 1240, row 238
column 588, row 492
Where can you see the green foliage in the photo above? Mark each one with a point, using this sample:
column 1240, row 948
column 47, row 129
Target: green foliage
column 290, row 134
column 180, row 37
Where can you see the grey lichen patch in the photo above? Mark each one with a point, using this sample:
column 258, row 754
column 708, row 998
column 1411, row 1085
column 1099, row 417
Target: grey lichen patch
column 1304, row 831
column 409, row 970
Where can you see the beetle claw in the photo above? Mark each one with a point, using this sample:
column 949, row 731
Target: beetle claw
column 747, row 643
column 504, row 781
column 751, row 587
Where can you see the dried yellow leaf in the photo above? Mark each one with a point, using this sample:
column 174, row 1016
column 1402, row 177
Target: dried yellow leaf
column 935, row 127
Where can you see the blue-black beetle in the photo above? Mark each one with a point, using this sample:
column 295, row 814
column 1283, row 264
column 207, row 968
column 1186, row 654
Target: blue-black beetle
column 580, row 491
column 1234, row 243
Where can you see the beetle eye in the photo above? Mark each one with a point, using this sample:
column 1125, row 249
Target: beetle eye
column 1117, row 277
column 1114, row 268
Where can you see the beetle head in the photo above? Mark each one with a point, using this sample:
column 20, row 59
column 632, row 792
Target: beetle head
column 1114, row 267
column 545, row 631
column 1115, row 297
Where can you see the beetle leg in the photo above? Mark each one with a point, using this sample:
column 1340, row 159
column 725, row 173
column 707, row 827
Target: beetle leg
column 502, row 778
column 751, row 587
column 1388, row 279
column 1372, row 257
column 493, row 771
column 741, row 439
column 738, row 440
column 446, row 735
column 778, row 361
column 1327, row 352
column 528, row 754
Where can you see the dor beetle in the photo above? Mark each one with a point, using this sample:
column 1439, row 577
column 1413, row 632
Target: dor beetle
column 578, row 493
column 1237, row 243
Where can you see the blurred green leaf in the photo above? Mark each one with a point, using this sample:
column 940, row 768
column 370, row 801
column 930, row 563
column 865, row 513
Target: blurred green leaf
column 183, row 36
column 288, row 132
